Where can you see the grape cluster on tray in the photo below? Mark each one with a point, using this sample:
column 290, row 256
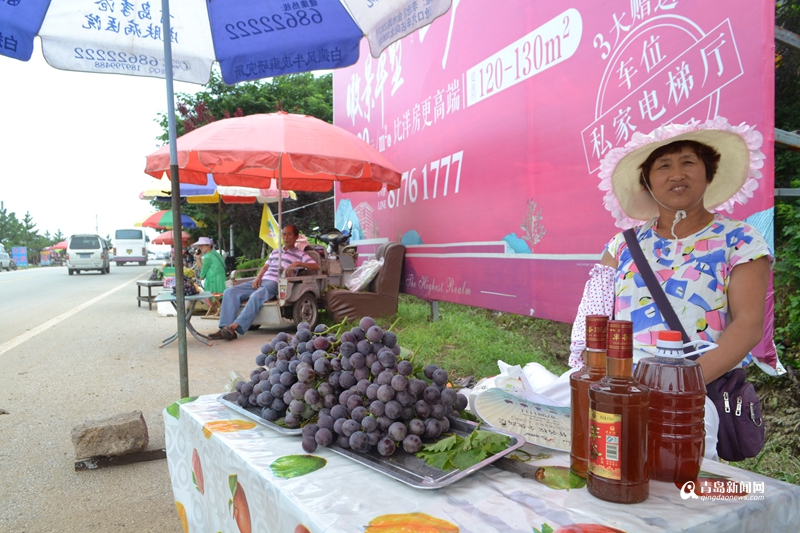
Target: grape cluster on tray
column 352, row 390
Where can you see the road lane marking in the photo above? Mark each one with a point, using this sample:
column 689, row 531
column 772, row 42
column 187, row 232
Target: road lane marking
column 19, row 339
column 14, row 280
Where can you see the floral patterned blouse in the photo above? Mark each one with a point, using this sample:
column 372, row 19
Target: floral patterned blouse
column 694, row 273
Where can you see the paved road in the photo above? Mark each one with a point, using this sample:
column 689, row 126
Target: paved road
column 76, row 348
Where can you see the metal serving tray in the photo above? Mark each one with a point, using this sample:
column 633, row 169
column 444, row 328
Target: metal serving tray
column 413, row 471
column 403, row 467
column 254, row 414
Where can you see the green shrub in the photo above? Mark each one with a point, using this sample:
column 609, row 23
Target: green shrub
column 245, row 263
column 787, row 281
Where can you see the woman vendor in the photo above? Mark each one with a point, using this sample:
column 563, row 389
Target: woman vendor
column 212, row 266
column 713, row 269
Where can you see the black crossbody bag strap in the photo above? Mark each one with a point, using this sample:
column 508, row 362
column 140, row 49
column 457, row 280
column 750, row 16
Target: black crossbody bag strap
column 667, row 312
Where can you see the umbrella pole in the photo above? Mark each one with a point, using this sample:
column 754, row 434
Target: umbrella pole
column 219, row 224
column 280, row 214
column 176, row 205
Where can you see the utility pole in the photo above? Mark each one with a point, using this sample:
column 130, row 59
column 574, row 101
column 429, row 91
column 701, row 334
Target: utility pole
column 96, row 229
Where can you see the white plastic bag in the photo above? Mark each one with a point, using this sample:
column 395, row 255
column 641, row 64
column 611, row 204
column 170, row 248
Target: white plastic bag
column 510, row 379
column 361, row 277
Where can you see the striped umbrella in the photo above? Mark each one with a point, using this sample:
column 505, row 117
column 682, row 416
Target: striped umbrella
column 163, row 220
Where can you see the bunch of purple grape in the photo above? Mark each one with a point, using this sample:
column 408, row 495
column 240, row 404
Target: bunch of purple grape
column 354, row 391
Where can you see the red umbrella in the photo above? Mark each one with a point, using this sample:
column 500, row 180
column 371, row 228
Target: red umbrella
column 168, row 237
column 61, row 246
column 302, row 152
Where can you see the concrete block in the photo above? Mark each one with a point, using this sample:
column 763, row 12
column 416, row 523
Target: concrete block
column 117, row 435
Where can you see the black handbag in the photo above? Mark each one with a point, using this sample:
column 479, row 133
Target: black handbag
column 741, row 427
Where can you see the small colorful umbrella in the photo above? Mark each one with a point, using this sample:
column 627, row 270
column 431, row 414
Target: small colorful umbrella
column 211, row 193
column 168, row 237
column 60, row 246
column 162, row 190
column 163, row 220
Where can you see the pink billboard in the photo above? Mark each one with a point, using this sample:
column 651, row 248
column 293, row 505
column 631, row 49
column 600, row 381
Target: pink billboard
column 498, row 115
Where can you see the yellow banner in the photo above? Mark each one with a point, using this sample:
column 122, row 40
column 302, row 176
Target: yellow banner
column 269, row 232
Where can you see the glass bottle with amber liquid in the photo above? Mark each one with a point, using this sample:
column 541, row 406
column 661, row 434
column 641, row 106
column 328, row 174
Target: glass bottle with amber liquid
column 594, row 358
column 618, row 411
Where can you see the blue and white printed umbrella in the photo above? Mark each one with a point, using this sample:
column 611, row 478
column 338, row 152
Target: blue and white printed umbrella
column 249, row 39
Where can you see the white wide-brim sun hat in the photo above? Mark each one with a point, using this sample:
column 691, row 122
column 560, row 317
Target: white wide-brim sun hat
column 739, row 168
column 204, row 240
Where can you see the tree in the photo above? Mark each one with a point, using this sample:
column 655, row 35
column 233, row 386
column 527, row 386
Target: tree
column 11, row 230
column 30, row 237
column 294, row 93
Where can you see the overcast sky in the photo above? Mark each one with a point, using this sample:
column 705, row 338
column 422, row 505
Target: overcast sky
column 74, row 145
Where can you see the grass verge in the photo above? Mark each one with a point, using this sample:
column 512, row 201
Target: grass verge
column 468, row 341
column 775, row 462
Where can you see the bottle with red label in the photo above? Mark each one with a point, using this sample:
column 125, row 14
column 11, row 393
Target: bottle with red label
column 676, row 428
column 618, row 412
column 594, row 358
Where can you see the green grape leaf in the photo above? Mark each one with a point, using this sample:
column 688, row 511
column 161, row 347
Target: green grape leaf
column 467, row 442
column 443, row 445
column 491, row 442
column 436, row 460
column 466, row 459
column 466, row 415
column 405, row 354
column 559, row 478
column 459, row 452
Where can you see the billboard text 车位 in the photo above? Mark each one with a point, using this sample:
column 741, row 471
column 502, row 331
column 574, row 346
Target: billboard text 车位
column 498, row 115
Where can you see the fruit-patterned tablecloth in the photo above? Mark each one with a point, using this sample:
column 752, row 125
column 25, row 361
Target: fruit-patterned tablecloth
column 230, row 474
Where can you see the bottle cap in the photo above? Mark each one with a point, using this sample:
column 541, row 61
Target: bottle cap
column 670, row 340
column 620, row 339
column 596, row 332
column 670, row 335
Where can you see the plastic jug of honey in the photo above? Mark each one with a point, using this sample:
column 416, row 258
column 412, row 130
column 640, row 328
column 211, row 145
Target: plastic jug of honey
column 676, row 429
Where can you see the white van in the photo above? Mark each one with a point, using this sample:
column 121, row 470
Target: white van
column 86, row 251
column 130, row 246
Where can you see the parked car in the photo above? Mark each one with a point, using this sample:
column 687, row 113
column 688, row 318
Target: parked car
column 86, row 251
column 5, row 259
